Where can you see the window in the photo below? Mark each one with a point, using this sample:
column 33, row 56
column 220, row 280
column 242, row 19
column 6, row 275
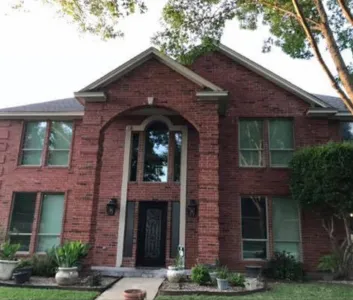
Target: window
column 254, row 227
column 22, row 219
column 60, row 137
column 134, row 156
column 175, row 229
column 129, row 229
column 281, row 142
column 347, row 131
column 286, row 226
column 156, row 153
column 50, row 221
column 251, row 143
column 35, row 141
column 51, row 217
column 177, row 155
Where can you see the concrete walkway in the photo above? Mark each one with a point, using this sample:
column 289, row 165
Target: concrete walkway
column 116, row 292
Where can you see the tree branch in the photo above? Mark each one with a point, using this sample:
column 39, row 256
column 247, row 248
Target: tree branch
column 318, row 55
column 287, row 12
column 346, row 12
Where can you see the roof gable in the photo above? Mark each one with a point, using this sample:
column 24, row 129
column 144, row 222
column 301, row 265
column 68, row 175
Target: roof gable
column 140, row 59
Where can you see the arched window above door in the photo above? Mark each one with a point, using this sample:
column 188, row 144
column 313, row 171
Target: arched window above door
column 156, row 152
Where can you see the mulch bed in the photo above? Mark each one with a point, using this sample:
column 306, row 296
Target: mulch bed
column 190, row 288
column 49, row 283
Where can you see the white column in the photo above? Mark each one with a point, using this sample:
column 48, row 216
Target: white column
column 183, row 183
column 123, row 197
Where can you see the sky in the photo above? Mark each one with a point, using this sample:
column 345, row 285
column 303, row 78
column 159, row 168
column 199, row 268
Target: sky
column 43, row 56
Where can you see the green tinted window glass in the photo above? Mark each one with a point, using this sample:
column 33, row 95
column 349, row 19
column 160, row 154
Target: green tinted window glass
column 281, row 134
column 33, row 142
column 51, row 218
column 60, row 138
column 134, row 156
column 177, row 155
column 286, row 225
column 22, row 219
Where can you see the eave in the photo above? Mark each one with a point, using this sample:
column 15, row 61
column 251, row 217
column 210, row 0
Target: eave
column 41, row 115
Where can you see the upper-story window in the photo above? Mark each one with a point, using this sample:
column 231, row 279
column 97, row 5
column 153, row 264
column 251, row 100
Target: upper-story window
column 52, row 146
column 253, row 142
column 347, row 131
column 156, row 153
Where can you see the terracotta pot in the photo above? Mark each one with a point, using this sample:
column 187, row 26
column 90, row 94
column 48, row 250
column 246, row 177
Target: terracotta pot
column 134, row 294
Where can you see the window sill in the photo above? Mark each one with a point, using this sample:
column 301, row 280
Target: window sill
column 41, row 167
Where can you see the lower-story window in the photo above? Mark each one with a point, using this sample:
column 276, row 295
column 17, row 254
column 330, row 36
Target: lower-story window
column 286, row 226
column 254, row 227
column 50, row 221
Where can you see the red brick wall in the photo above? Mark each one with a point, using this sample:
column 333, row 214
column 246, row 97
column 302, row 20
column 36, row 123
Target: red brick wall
column 254, row 96
column 94, row 175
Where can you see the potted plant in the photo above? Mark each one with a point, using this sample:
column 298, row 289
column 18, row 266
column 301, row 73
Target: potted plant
column 23, row 272
column 222, row 279
column 176, row 272
column 68, row 257
column 328, row 265
column 8, row 261
column 213, row 270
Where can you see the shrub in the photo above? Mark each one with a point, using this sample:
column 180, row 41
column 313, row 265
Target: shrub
column 25, row 263
column 236, row 279
column 284, row 266
column 223, row 273
column 44, row 265
column 328, row 263
column 70, row 254
column 8, row 251
column 200, row 275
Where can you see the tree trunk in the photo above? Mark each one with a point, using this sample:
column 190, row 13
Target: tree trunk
column 345, row 10
column 336, row 56
column 348, row 102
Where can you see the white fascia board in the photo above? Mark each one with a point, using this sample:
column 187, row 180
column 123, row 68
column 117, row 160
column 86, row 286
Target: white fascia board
column 271, row 76
column 323, row 112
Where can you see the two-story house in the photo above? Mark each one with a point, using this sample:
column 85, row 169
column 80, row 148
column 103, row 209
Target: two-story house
column 156, row 154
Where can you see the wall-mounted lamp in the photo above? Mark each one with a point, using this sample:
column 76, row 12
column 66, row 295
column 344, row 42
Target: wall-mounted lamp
column 192, row 209
column 112, row 206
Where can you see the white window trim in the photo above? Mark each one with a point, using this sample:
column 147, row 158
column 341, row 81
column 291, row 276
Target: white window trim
column 259, row 240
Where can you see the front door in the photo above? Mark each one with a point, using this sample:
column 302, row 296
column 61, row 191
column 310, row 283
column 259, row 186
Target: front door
column 152, row 234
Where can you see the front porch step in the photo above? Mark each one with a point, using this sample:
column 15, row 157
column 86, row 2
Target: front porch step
column 130, row 272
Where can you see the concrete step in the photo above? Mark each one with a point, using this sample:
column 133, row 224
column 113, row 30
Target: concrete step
column 131, row 272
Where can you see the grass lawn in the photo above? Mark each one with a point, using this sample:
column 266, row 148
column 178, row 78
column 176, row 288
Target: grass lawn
column 9, row 293
column 284, row 291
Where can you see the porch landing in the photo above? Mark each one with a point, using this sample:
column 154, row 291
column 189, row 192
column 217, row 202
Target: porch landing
column 131, row 272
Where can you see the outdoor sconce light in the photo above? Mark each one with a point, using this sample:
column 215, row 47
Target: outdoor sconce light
column 192, row 209
column 112, row 206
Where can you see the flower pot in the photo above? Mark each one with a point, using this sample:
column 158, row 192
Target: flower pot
column 253, row 271
column 174, row 274
column 66, row 276
column 6, row 268
column 213, row 276
column 21, row 277
column 134, row 294
column 222, row 284
column 25, row 269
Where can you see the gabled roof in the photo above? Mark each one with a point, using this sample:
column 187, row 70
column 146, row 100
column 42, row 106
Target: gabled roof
column 140, row 59
column 285, row 84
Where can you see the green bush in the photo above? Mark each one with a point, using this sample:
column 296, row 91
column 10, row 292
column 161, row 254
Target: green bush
column 200, row 275
column 71, row 254
column 8, row 250
column 44, row 265
column 236, row 279
column 328, row 263
column 222, row 273
column 284, row 266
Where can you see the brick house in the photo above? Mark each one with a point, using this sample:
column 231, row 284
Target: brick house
column 193, row 156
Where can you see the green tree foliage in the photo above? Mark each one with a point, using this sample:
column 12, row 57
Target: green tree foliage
column 321, row 180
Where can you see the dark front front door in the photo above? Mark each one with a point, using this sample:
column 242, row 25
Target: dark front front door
column 152, row 234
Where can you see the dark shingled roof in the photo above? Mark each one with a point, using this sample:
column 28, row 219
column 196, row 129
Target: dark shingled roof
column 72, row 105
column 333, row 101
column 62, row 105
